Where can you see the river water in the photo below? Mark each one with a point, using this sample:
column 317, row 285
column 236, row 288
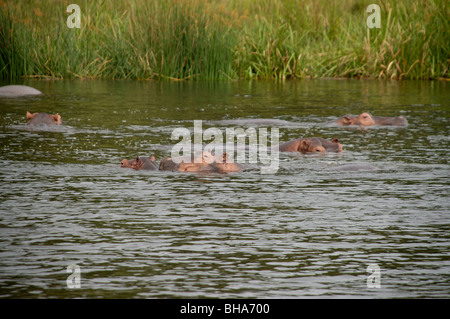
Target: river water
column 309, row 230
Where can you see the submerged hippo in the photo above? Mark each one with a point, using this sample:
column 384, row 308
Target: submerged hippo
column 43, row 118
column 203, row 162
column 353, row 168
column 311, row 145
column 18, row 90
column 365, row 119
column 145, row 163
column 225, row 164
column 246, row 122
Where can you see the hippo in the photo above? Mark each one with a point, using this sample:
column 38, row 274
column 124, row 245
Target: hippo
column 311, row 145
column 43, row 118
column 353, row 168
column 185, row 163
column 203, row 162
column 256, row 122
column 365, row 119
column 18, row 90
column 145, row 163
column 225, row 165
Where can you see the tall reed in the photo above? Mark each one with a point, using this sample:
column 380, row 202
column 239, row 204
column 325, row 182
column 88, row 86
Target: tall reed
column 224, row 39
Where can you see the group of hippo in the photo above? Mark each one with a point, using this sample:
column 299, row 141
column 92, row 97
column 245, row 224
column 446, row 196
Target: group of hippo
column 208, row 162
column 202, row 162
column 221, row 163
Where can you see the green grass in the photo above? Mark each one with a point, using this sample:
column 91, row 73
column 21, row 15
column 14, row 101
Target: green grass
column 224, row 40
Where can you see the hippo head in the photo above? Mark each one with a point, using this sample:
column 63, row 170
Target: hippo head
column 136, row 163
column 126, row 163
column 311, row 146
column 365, row 119
column 55, row 118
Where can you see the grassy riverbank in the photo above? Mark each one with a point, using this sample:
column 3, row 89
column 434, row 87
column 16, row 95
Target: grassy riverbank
column 234, row 39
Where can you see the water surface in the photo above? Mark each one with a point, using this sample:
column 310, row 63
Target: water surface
column 310, row 230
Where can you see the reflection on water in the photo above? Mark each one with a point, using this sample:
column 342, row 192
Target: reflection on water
column 311, row 229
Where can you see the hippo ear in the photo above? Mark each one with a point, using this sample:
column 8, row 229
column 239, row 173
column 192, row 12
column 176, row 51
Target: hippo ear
column 347, row 120
column 335, row 140
column 303, row 147
column 58, row 119
column 54, row 117
column 30, row 116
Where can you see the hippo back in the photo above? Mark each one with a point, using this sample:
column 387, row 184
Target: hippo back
column 18, row 90
column 148, row 164
column 391, row 121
